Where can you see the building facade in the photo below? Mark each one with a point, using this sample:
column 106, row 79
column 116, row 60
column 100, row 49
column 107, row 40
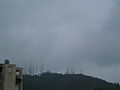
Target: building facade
column 11, row 77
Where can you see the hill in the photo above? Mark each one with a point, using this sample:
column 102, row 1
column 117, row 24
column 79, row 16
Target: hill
column 55, row 81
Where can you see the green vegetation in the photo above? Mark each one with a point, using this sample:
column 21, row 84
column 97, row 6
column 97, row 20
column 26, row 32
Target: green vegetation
column 54, row 81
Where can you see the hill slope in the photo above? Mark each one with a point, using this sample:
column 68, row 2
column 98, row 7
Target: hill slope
column 54, row 81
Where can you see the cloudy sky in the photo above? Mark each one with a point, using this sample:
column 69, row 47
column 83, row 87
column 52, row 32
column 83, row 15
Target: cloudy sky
column 79, row 34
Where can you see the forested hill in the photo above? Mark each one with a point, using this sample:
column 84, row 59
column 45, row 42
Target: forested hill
column 54, row 81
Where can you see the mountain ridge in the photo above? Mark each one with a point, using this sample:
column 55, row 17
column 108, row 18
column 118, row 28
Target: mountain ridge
column 55, row 81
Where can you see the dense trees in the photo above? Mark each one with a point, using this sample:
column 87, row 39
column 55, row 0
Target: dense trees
column 54, row 81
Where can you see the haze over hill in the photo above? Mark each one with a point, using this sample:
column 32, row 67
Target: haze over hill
column 79, row 34
column 55, row 81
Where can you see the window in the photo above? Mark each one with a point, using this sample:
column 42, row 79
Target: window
column 10, row 69
column 18, row 80
column 17, row 73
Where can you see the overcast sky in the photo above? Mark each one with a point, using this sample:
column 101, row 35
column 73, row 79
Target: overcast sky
column 79, row 34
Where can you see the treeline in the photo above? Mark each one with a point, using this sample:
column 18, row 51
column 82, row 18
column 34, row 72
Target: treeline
column 55, row 81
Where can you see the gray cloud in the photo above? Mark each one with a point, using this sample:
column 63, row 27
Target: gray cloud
column 62, row 33
column 109, row 38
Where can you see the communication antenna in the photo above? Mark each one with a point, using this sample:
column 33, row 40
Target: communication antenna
column 41, row 67
column 36, row 69
column 67, row 71
column 81, row 71
column 72, row 70
column 33, row 72
column 30, row 70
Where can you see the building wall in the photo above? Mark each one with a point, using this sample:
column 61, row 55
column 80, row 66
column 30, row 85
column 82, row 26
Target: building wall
column 9, row 77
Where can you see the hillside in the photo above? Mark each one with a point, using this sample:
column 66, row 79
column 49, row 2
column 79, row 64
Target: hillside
column 54, row 81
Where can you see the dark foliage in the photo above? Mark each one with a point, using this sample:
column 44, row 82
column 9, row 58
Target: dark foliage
column 54, row 81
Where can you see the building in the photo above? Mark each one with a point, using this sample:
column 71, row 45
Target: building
column 11, row 77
